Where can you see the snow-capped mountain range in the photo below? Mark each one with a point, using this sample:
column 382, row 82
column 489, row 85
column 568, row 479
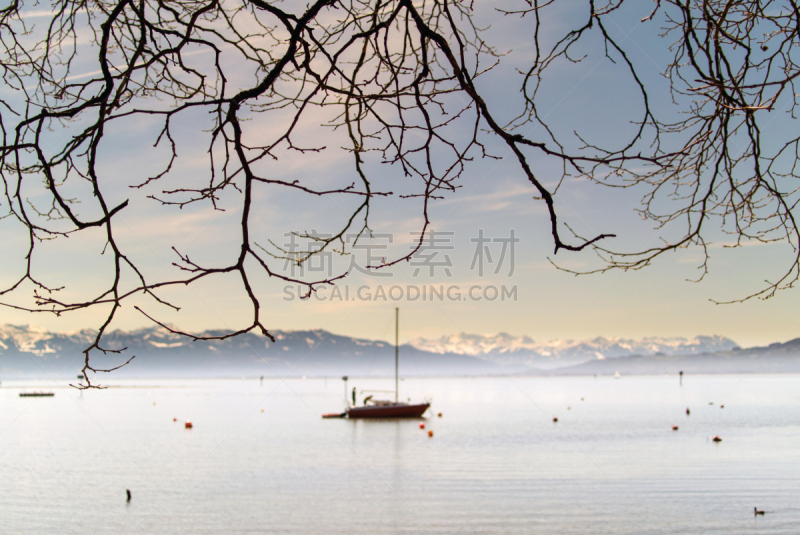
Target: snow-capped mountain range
column 506, row 349
column 31, row 352
column 318, row 351
column 39, row 341
column 34, row 352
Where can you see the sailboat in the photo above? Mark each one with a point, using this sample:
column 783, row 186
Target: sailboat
column 374, row 408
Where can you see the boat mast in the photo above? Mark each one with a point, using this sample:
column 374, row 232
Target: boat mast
column 396, row 351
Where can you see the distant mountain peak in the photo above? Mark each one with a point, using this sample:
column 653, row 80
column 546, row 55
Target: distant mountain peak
column 507, row 349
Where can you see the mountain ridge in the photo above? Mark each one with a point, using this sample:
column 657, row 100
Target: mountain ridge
column 778, row 357
column 27, row 351
column 506, row 349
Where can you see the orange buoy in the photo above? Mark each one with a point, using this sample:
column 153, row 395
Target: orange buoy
column 716, row 439
column 188, row 424
column 674, row 427
column 422, row 425
column 439, row 415
column 174, row 419
column 430, row 434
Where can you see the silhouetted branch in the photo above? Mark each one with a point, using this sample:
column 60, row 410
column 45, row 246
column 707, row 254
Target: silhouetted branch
column 397, row 81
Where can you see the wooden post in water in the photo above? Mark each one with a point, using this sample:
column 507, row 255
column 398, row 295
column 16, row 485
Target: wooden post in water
column 396, row 352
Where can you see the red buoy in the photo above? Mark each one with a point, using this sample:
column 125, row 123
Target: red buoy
column 188, row 424
column 174, row 419
column 422, row 425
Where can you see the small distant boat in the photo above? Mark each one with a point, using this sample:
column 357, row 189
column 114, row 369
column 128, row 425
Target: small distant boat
column 616, row 375
column 36, row 394
column 388, row 409
column 80, row 376
column 376, row 408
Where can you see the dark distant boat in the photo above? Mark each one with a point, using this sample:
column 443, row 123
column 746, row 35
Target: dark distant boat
column 388, row 409
column 36, row 394
column 376, row 408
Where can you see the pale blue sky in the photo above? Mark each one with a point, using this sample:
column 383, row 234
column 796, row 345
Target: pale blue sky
column 494, row 197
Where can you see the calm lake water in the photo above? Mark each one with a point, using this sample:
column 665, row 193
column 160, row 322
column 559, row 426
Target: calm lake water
column 496, row 464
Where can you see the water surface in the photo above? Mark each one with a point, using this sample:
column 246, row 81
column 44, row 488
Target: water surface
column 259, row 458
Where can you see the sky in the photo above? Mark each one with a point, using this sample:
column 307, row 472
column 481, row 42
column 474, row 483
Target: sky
column 491, row 269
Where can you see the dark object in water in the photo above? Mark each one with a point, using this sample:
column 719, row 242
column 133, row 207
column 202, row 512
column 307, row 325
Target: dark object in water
column 688, row 412
column 374, row 408
column 756, row 512
column 555, row 419
column 36, row 394
column 335, row 415
column 716, row 439
column 674, row 427
column 80, row 376
column 388, row 409
column 128, row 492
